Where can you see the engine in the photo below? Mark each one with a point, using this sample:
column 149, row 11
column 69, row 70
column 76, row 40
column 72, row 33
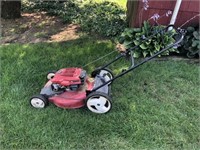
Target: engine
column 68, row 79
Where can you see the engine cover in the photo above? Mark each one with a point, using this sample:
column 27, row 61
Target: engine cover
column 69, row 76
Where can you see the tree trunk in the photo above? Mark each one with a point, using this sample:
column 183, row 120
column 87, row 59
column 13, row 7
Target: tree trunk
column 132, row 6
column 10, row 9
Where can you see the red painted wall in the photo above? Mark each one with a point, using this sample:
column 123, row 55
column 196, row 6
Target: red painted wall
column 188, row 9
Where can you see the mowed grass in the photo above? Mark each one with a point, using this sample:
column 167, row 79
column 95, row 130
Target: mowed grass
column 154, row 107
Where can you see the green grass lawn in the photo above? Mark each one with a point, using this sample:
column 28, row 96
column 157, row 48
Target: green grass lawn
column 121, row 3
column 154, row 107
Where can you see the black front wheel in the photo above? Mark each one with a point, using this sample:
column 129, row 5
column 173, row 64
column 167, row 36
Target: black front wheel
column 39, row 101
column 51, row 74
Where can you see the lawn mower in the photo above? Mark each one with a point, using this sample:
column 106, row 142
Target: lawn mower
column 74, row 88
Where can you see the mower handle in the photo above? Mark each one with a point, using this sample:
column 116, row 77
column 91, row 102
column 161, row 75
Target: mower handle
column 129, row 51
column 178, row 30
column 181, row 33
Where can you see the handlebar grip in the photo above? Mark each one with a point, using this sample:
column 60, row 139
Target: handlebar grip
column 170, row 26
column 178, row 30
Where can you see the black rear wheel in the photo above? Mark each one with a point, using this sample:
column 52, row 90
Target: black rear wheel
column 98, row 102
column 106, row 73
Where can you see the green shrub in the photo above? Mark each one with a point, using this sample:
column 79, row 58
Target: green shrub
column 28, row 6
column 106, row 19
column 133, row 36
column 191, row 43
column 68, row 10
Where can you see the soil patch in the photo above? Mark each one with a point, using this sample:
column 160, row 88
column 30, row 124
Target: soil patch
column 37, row 27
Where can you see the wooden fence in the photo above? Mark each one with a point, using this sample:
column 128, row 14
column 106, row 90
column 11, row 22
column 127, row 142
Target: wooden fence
column 188, row 9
